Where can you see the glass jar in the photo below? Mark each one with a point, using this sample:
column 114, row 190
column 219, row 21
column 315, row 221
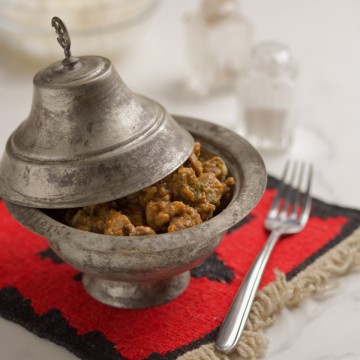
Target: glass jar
column 218, row 42
column 266, row 96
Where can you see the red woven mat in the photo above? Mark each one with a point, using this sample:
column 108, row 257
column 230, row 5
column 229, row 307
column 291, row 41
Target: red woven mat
column 45, row 295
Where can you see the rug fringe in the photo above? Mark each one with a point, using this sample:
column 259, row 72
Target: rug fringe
column 316, row 278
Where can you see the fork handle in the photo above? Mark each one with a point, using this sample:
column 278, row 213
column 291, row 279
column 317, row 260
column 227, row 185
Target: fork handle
column 235, row 320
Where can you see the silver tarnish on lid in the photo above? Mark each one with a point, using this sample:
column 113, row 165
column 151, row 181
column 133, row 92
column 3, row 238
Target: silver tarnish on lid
column 88, row 138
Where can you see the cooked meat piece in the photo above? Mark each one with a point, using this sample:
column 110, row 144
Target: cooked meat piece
column 217, row 167
column 187, row 218
column 205, row 210
column 212, row 187
column 119, row 225
column 197, row 149
column 92, row 218
column 142, row 230
column 229, row 183
column 153, row 208
column 168, row 212
column 185, row 185
column 156, row 192
column 177, row 215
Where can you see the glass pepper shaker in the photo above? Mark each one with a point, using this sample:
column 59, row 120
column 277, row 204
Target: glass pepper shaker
column 266, row 96
column 219, row 40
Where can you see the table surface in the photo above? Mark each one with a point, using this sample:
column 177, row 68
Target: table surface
column 324, row 36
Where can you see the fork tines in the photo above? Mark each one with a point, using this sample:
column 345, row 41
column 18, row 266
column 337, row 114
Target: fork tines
column 293, row 197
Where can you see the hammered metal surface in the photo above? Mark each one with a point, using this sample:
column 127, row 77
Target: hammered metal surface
column 88, row 139
column 155, row 258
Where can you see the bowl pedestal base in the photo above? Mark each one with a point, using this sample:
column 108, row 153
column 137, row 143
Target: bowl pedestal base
column 135, row 295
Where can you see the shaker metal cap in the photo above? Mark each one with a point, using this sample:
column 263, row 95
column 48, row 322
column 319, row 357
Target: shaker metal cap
column 88, row 138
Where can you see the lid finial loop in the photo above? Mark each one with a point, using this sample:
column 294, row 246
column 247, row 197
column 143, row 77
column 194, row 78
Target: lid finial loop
column 64, row 41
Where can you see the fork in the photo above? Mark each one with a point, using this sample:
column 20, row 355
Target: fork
column 288, row 214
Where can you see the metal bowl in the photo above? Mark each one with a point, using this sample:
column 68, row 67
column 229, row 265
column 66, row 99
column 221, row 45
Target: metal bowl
column 143, row 271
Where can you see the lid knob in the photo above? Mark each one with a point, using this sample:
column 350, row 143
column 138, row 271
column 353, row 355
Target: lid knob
column 64, row 40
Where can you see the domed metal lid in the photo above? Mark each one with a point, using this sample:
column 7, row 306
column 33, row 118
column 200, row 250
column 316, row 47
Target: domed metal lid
column 88, row 138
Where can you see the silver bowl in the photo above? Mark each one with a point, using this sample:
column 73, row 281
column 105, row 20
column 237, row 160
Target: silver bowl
column 143, row 271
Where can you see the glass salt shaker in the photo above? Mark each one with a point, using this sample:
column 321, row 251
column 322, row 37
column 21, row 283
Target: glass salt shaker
column 218, row 39
column 266, row 96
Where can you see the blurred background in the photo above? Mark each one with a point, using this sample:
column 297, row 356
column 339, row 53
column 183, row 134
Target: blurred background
column 148, row 42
